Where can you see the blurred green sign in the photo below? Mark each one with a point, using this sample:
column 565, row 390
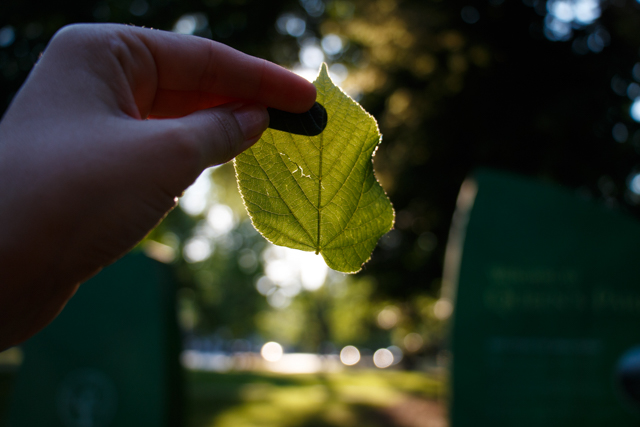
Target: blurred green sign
column 546, row 290
column 109, row 359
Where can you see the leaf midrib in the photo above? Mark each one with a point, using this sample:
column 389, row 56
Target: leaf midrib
column 320, row 192
column 320, row 175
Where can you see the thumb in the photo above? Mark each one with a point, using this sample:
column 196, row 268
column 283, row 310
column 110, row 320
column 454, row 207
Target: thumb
column 223, row 132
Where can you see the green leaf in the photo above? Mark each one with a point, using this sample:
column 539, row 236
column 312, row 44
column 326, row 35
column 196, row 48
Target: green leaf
column 319, row 193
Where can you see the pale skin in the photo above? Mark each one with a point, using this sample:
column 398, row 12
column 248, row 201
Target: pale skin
column 84, row 176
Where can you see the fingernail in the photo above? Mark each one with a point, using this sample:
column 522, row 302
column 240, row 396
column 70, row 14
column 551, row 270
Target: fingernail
column 253, row 120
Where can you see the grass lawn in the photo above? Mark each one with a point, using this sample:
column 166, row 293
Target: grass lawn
column 371, row 398
column 355, row 398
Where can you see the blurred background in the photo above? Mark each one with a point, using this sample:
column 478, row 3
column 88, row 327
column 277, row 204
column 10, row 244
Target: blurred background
column 548, row 89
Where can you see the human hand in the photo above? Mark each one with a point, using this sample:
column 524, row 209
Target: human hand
column 83, row 175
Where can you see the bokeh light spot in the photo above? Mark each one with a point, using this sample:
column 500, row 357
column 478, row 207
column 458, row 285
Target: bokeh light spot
column 620, row 132
column 397, row 354
column 635, row 110
column 413, row 342
column 290, row 24
column 470, row 14
column 338, row 73
column 7, row 36
column 442, row 309
column 597, row 40
column 332, row 44
column 382, row 358
column 185, row 25
column 311, row 56
column 566, row 15
column 278, row 271
column 562, row 10
column 190, row 23
column 306, row 72
column 271, row 351
column 314, row 8
column 294, row 270
column 313, row 271
column 265, row 286
column 278, row 299
column 586, row 11
column 349, row 355
column 388, row 317
column 636, row 71
column 427, row 241
column 247, row 260
column 619, row 85
column 634, row 185
column 633, row 91
column 139, row 7
column 197, row 249
column 556, row 29
column 221, row 219
column 195, row 198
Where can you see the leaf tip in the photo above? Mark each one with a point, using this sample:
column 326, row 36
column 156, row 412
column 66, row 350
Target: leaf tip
column 323, row 73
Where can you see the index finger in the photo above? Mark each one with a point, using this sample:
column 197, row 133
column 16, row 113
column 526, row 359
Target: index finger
column 194, row 64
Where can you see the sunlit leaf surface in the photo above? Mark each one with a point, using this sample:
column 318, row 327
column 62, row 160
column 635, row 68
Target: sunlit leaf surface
column 319, row 193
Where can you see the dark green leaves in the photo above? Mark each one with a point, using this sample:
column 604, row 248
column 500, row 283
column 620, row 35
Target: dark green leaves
column 319, row 193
